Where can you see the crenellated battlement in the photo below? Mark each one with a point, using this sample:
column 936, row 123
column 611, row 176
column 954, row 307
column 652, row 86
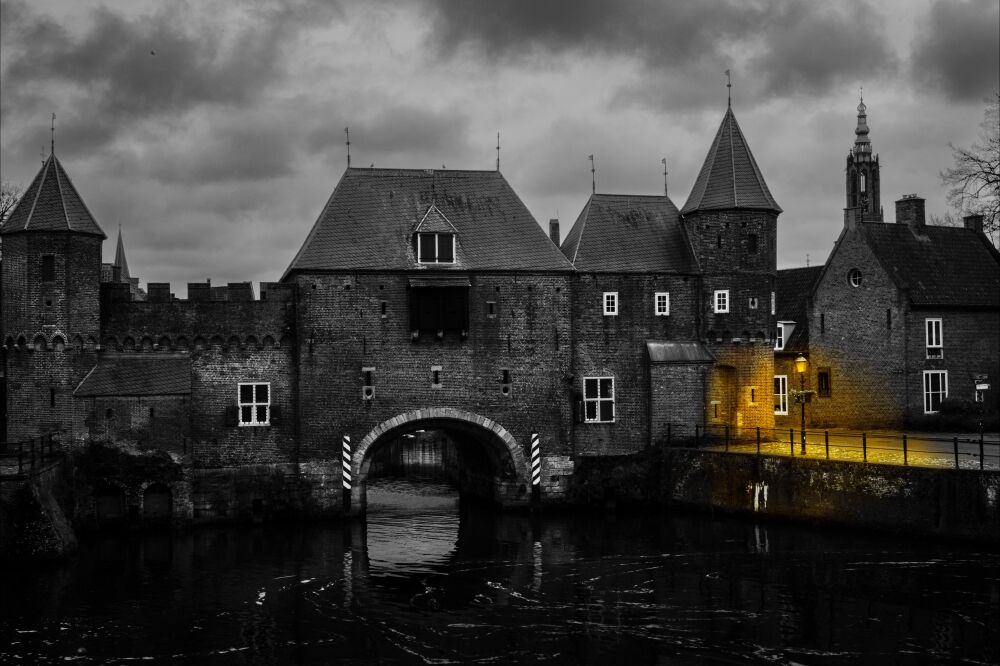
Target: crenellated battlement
column 198, row 292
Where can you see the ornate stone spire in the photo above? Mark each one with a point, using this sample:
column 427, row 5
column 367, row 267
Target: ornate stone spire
column 862, row 144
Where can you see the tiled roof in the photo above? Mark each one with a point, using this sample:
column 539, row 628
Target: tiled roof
column 369, row 221
column 730, row 177
column 792, row 292
column 943, row 266
column 120, row 261
column 138, row 374
column 51, row 203
column 629, row 233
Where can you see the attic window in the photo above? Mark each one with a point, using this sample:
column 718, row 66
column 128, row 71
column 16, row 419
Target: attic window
column 436, row 248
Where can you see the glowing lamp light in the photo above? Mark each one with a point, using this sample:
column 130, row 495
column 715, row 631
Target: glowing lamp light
column 800, row 364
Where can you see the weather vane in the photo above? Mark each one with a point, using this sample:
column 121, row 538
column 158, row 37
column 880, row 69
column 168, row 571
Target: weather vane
column 664, row 162
column 53, row 129
column 498, row 151
column 729, row 87
column 593, row 175
column 347, row 133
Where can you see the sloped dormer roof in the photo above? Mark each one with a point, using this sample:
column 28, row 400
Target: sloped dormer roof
column 623, row 233
column 51, row 203
column 730, row 177
column 370, row 219
column 793, row 290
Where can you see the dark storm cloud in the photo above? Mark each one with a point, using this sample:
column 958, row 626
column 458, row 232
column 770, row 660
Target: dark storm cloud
column 958, row 49
column 127, row 69
column 797, row 46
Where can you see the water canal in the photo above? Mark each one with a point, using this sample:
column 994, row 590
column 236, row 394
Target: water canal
column 428, row 579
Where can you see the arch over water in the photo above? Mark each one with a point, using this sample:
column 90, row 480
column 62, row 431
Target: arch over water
column 509, row 483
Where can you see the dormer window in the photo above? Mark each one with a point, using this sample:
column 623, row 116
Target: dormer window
column 435, row 248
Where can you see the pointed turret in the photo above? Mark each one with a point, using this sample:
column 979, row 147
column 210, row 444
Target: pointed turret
column 51, row 203
column 863, row 172
column 121, row 263
column 730, row 177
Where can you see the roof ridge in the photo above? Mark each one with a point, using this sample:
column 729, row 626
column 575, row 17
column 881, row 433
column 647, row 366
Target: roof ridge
column 583, row 226
column 732, row 155
column 62, row 197
column 38, row 192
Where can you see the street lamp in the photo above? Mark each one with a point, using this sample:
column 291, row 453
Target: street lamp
column 801, row 363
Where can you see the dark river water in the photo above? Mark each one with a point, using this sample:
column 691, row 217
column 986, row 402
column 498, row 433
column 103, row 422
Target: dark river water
column 425, row 581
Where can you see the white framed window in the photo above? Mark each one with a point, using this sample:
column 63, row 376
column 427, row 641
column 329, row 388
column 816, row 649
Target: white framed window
column 779, row 337
column 935, row 339
column 854, row 277
column 773, row 304
column 752, row 303
column 599, row 399
column 254, row 404
column 935, row 390
column 781, row 394
column 721, row 301
column 661, row 303
column 610, row 303
column 436, row 248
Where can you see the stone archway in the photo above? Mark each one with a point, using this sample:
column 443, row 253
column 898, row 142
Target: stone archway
column 511, row 488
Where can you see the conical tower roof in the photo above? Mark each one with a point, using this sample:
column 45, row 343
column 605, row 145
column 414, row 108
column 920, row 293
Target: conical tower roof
column 730, row 177
column 120, row 261
column 51, row 203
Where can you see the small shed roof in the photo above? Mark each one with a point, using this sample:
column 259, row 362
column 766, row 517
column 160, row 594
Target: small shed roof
column 138, row 374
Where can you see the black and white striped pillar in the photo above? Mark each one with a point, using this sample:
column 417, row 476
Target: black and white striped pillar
column 536, row 470
column 346, row 471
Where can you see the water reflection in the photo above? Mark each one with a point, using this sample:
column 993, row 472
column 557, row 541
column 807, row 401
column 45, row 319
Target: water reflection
column 427, row 580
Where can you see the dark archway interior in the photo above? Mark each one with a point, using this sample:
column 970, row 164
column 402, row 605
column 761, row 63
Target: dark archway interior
column 469, row 457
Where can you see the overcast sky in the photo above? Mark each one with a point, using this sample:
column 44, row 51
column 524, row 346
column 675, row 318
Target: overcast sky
column 214, row 132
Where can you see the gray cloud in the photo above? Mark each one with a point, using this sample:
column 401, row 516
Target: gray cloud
column 958, row 49
column 797, row 47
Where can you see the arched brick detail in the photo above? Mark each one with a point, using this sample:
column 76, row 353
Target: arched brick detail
column 442, row 414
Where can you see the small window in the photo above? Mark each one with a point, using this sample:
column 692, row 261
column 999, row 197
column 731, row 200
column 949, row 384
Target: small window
column 752, row 303
column 48, row 268
column 935, row 390
column 255, row 404
column 436, row 248
column 823, row 383
column 385, row 308
column 599, row 399
column 781, row 394
column 980, row 395
column 779, row 337
column 505, row 381
column 935, row 342
column 753, row 395
column 610, row 303
column 752, row 244
column 436, row 376
column 773, row 304
column 854, row 277
column 491, row 309
column 721, row 301
column 52, row 397
column 662, row 303
column 822, row 322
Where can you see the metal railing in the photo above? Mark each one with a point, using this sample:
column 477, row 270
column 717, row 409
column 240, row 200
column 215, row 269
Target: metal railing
column 968, row 451
column 30, row 456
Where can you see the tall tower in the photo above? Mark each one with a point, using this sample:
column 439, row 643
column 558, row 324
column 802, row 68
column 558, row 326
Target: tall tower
column 50, row 307
column 862, row 172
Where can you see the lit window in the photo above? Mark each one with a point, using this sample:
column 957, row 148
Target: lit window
column 721, row 301
column 436, row 248
column 779, row 338
column 935, row 341
column 255, row 404
column 610, row 303
column 781, row 394
column 854, row 277
column 599, row 399
column 662, row 303
column 935, row 390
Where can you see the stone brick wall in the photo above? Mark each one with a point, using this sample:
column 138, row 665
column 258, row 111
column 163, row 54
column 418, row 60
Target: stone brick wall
column 858, row 341
column 343, row 329
column 145, row 422
column 615, row 346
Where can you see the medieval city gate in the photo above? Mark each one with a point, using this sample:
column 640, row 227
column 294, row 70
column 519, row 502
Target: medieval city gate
column 493, row 463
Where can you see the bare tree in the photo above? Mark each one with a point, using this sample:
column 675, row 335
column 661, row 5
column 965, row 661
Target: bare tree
column 974, row 180
column 10, row 193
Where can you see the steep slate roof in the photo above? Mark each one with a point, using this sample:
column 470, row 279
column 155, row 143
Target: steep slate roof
column 138, row 374
column 948, row 266
column 629, row 233
column 730, row 177
column 369, row 221
column 792, row 292
column 51, row 203
column 120, row 261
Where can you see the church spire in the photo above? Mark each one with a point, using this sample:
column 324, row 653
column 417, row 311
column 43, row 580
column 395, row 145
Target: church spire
column 863, row 171
column 121, row 263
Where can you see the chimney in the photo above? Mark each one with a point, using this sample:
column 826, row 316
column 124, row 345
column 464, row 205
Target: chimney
column 910, row 211
column 554, row 231
column 852, row 216
column 974, row 222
